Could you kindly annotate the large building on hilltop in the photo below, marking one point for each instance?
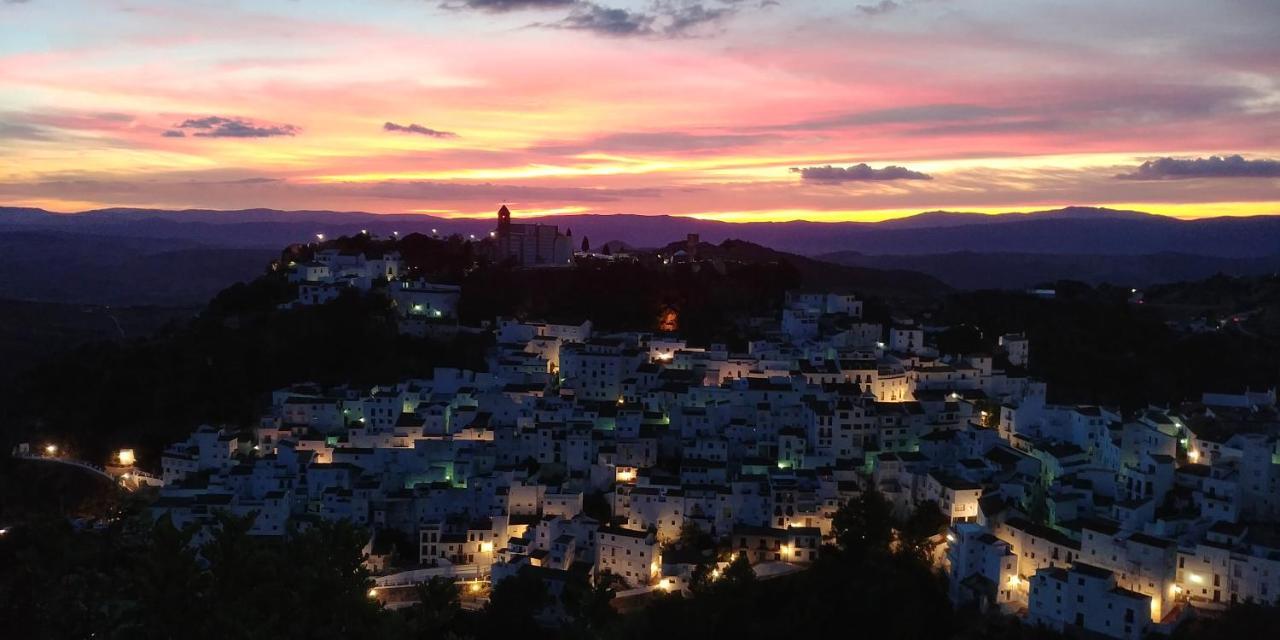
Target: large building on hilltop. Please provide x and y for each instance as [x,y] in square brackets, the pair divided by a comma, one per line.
[531,245]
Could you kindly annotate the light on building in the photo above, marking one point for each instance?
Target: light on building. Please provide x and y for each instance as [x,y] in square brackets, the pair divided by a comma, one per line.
[373,593]
[666,584]
[1193,455]
[475,587]
[486,547]
[1014,581]
[51,449]
[1196,578]
[125,457]
[951,537]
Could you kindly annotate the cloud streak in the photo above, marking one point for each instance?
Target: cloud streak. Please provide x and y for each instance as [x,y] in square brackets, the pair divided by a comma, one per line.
[1235,166]
[418,129]
[861,172]
[220,127]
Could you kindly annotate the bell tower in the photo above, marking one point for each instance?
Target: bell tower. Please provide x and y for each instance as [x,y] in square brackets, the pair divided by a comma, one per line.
[504,220]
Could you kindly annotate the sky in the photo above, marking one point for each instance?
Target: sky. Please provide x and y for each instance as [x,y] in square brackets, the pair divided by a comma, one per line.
[739,110]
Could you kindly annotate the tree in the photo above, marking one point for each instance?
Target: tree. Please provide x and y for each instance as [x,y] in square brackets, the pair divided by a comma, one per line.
[437,609]
[692,537]
[864,525]
[586,245]
[514,606]
[591,605]
[1038,506]
[916,535]
[739,573]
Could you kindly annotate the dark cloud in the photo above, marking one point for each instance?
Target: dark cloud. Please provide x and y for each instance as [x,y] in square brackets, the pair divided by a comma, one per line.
[1212,167]
[21,131]
[661,19]
[419,129]
[174,133]
[858,173]
[588,16]
[880,8]
[685,17]
[504,6]
[220,127]
[660,141]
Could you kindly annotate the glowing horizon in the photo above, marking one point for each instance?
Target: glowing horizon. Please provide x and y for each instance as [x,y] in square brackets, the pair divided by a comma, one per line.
[731,110]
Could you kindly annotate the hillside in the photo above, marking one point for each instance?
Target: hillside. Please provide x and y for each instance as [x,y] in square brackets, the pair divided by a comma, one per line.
[87,268]
[32,332]
[152,388]
[878,280]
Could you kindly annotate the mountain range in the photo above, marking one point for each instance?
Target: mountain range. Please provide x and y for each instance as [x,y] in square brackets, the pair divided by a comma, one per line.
[1071,230]
[162,257]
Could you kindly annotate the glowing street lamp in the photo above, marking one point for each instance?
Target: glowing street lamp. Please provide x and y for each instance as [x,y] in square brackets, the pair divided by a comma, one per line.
[51,449]
[320,237]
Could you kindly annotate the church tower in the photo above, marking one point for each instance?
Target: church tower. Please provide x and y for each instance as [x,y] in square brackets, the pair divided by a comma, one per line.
[504,220]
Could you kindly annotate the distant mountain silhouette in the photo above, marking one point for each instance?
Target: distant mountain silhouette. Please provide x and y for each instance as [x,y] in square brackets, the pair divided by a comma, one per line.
[1071,230]
[971,270]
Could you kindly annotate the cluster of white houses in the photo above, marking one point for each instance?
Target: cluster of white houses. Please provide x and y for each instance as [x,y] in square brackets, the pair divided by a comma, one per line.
[423,307]
[1069,515]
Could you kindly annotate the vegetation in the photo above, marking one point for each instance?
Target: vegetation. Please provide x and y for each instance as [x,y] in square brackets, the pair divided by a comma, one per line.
[1095,346]
[217,369]
[137,578]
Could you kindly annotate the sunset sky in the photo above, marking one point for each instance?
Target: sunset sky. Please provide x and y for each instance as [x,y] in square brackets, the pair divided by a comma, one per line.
[732,109]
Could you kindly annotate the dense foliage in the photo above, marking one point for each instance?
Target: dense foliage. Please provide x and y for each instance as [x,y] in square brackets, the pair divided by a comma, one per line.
[1095,346]
[132,579]
[217,369]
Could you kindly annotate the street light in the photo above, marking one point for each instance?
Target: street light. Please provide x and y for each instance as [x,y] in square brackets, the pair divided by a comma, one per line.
[320,237]
[51,449]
